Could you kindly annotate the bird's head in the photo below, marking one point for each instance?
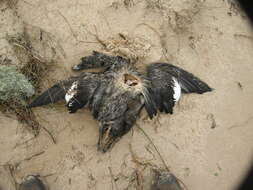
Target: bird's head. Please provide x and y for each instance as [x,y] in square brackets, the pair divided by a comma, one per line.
[110,132]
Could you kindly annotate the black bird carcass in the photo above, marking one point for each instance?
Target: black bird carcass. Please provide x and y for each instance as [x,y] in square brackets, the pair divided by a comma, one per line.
[116,95]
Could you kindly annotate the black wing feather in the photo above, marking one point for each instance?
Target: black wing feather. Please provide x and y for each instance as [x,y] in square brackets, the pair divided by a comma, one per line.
[54,94]
[87,83]
[162,89]
[188,82]
[150,105]
[162,77]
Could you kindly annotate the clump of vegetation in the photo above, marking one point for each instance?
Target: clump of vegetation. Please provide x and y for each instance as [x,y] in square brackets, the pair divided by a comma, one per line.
[37,50]
[34,70]
[20,81]
[33,65]
[14,86]
[15,89]
[34,51]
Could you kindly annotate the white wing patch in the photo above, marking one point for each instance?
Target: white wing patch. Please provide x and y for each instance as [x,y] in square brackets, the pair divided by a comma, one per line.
[30,177]
[177,90]
[71,92]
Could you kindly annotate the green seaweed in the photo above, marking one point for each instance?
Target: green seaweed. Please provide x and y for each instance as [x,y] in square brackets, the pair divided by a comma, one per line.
[14,86]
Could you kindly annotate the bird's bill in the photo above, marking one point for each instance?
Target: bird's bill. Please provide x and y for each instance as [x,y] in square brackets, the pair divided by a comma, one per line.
[85,63]
[77,67]
[106,140]
[82,65]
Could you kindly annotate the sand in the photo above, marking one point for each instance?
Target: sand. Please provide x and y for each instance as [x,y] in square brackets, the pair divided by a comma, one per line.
[207,142]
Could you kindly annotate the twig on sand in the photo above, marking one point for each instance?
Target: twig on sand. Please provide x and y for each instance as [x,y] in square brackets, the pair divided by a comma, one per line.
[25,116]
[138,161]
[139,180]
[150,27]
[22,143]
[243,36]
[11,169]
[48,175]
[100,41]
[243,124]
[150,140]
[50,134]
[34,155]
[88,42]
[70,28]
[25,45]
[112,179]
[28,3]
[163,161]
[138,176]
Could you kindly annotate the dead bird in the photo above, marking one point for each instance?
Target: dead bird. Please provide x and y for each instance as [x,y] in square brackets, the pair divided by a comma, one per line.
[116,95]
[32,182]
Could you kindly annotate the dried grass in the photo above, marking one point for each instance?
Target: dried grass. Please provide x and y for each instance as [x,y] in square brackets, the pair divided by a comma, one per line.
[32,67]
[123,45]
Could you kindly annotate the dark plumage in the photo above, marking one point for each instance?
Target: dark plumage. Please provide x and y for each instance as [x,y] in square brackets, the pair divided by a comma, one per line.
[117,95]
[164,180]
[32,182]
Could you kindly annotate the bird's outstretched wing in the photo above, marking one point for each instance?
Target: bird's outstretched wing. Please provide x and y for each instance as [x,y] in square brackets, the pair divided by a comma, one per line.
[76,91]
[188,82]
[167,81]
[54,94]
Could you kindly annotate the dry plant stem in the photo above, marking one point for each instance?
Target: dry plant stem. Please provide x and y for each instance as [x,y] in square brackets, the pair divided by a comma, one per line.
[50,134]
[150,140]
[66,20]
[139,180]
[97,37]
[164,163]
[27,117]
[35,155]
[48,175]
[29,50]
[137,160]
[112,179]
[243,36]
[10,168]
[22,143]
